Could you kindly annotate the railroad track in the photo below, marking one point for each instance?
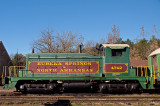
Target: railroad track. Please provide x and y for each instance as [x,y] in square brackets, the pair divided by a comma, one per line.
[17,97]
[78,99]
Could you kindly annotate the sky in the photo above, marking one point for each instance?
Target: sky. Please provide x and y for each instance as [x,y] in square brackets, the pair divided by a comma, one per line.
[22,21]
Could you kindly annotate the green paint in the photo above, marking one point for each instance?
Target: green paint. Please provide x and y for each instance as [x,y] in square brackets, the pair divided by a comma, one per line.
[106,56]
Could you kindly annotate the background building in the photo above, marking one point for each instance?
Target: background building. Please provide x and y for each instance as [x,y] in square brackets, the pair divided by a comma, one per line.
[4,60]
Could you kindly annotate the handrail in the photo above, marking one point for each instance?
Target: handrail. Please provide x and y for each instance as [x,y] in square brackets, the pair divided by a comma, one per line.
[144,72]
[154,81]
[158,71]
[141,71]
[26,71]
[13,70]
[4,73]
[152,72]
[137,70]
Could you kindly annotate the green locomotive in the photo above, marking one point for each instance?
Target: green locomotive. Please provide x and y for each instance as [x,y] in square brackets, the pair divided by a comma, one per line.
[108,72]
[154,63]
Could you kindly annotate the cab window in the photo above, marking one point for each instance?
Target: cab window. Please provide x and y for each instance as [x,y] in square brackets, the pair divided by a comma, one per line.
[118,52]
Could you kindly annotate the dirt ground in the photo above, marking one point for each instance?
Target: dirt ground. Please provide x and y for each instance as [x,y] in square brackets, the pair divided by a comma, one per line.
[38,103]
[6,90]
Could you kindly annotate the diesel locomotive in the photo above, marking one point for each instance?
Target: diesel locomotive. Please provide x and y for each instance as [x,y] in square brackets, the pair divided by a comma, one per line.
[108,72]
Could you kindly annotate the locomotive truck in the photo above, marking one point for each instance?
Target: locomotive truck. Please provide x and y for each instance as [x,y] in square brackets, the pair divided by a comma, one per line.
[108,72]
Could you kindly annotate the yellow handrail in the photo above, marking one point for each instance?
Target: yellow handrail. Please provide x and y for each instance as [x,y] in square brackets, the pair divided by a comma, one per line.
[158,71]
[154,73]
[151,72]
[144,72]
[4,73]
[141,71]
[146,75]
[137,71]
[14,70]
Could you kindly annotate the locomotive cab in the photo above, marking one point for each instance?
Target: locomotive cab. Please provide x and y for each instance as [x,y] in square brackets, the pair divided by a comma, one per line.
[116,76]
[116,59]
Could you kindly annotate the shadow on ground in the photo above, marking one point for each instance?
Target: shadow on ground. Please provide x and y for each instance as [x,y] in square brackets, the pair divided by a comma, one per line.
[60,103]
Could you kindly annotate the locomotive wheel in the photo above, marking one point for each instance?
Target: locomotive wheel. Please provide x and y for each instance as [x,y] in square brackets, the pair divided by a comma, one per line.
[25,90]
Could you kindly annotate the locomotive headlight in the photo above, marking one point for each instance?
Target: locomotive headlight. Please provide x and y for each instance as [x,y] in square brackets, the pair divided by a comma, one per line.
[59,82]
[107,81]
[22,87]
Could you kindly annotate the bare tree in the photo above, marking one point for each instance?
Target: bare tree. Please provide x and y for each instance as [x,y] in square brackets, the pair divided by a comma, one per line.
[68,41]
[57,43]
[153,43]
[154,30]
[90,48]
[142,32]
[113,36]
[46,42]
[102,41]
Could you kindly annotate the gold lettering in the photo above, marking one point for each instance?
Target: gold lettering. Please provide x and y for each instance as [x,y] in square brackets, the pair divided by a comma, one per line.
[121,67]
[89,63]
[112,68]
[65,70]
[87,70]
[66,63]
[47,63]
[51,63]
[91,70]
[54,70]
[63,67]
[61,70]
[42,70]
[38,70]
[46,70]
[38,63]
[116,68]
[77,62]
[81,63]
[55,63]
[75,70]
[70,70]
[73,63]
[79,70]
[85,63]
[42,63]
[59,63]
[83,70]
[50,70]
[70,63]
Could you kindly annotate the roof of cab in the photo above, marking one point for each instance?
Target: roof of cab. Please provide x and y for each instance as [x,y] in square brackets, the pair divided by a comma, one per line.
[115,45]
[157,51]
